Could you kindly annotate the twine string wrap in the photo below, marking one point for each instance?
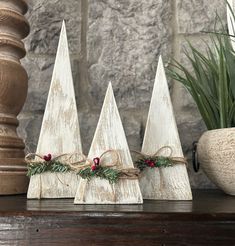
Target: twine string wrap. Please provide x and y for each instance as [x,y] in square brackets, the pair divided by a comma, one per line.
[174,160]
[30,159]
[83,162]
[34,159]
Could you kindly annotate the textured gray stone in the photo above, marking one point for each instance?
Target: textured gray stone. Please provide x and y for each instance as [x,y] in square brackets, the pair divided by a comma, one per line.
[194,16]
[29,130]
[133,127]
[45,18]
[39,70]
[88,121]
[124,40]
[184,106]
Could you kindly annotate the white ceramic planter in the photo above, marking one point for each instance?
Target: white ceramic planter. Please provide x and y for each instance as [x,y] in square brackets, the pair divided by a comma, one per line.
[216,154]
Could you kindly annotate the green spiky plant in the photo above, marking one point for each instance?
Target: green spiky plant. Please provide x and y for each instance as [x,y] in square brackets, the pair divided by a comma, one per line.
[211,82]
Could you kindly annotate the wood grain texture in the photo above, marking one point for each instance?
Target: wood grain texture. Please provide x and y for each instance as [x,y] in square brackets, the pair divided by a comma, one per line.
[109,135]
[13,92]
[60,132]
[170,183]
[207,220]
[18,6]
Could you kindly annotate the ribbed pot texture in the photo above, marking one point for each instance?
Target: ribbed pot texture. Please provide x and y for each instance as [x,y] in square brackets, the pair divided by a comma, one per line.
[216,155]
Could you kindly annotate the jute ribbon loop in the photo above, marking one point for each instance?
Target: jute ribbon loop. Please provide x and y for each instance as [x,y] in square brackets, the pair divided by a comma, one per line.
[84,162]
[125,173]
[65,158]
[175,160]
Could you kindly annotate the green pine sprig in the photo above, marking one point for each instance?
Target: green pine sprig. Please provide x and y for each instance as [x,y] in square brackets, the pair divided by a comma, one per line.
[110,174]
[50,166]
[153,162]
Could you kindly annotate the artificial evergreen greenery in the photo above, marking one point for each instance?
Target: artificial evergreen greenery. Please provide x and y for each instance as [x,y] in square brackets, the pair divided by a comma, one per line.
[49,166]
[155,161]
[110,174]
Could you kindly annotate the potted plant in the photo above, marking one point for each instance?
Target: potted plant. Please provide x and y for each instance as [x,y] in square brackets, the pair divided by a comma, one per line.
[211,82]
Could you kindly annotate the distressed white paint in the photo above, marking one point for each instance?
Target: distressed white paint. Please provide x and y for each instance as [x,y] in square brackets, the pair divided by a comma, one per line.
[170,183]
[230,21]
[109,135]
[60,128]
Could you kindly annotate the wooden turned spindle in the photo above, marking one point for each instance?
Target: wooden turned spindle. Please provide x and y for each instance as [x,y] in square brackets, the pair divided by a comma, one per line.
[13,92]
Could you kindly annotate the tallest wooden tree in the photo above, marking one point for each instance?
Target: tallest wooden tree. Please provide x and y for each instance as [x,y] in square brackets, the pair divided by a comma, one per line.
[13,90]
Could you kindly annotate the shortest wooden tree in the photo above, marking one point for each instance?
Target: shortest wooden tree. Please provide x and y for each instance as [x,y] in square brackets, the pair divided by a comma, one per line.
[109,135]
[60,132]
[169,183]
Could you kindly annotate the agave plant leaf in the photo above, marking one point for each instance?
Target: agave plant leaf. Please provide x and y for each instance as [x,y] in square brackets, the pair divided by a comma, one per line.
[194,88]
[211,81]
[223,90]
[230,58]
[231,115]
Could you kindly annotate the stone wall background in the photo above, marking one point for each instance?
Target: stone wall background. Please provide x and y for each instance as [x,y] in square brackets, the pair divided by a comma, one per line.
[118,41]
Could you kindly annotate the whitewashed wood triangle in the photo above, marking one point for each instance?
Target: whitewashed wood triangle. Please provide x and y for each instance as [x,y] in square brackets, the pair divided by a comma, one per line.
[230,21]
[109,135]
[169,183]
[60,128]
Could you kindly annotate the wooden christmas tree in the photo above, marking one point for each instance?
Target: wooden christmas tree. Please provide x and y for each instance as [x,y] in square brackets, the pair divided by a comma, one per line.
[172,182]
[60,129]
[109,135]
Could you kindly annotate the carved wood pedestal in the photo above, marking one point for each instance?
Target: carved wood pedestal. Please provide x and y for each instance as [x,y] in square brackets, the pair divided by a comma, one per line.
[13,92]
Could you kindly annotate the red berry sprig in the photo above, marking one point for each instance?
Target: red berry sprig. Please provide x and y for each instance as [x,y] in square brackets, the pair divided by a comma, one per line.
[150,163]
[47,157]
[96,163]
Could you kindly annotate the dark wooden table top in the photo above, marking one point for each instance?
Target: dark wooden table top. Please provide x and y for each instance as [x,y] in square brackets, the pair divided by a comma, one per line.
[207,220]
[204,202]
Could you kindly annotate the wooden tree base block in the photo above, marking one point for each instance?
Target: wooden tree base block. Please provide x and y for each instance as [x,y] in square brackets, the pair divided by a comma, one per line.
[169,183]
[13,92]
[99,191]
[160,184]
[53,185]
[109,135]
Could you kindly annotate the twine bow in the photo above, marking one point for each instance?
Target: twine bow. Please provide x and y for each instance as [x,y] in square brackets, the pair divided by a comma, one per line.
[174,160]
[125,173]
[46,159]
